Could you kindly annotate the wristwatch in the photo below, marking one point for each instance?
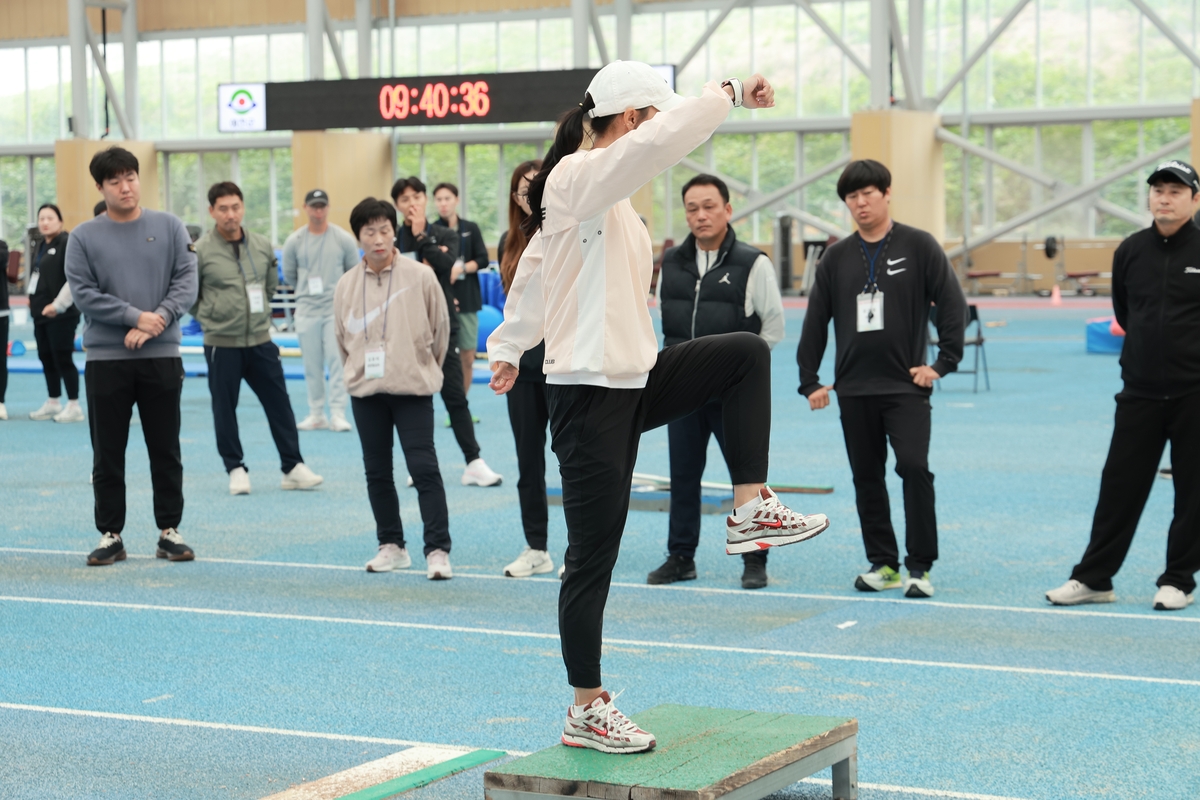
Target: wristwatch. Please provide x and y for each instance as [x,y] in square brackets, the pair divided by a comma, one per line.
[736,85]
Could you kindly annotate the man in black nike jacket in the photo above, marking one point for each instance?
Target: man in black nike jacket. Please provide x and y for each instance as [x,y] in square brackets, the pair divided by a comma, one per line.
[877,286]
[1156,298]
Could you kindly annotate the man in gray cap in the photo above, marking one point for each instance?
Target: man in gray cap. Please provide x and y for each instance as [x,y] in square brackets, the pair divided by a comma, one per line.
[314,258]
[1156,297]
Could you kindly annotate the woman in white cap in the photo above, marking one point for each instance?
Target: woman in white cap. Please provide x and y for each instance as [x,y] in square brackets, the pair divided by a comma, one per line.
[582,285]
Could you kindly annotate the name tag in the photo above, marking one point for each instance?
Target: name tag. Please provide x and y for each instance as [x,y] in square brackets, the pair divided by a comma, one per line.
[870,312]
[52,251]
[373,369]
[33,282]
[316,285]
[254,291]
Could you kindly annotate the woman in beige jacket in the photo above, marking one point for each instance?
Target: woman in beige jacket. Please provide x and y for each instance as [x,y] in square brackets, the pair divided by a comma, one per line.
[582,285]
[393,329]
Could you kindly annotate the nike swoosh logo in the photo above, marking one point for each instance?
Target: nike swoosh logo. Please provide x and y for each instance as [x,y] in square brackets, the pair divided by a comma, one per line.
[356,325]
[896,271]
[776,524]
[896,261]
[598,731]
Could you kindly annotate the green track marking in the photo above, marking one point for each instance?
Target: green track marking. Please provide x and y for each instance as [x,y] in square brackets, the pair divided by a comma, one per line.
[424,777]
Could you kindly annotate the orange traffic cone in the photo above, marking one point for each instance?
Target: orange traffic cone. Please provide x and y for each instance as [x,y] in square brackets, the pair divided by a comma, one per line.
[1056,296]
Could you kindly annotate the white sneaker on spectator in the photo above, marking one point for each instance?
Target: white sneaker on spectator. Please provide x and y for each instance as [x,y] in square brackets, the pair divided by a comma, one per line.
[410,482]
[3,412]
[437,566]
[1074,593]
[478,473]
[239,481]
[530,562]
[1171,598]
[390,556]
[48,410]
[313,422]
[301,477]
[71,413]
[338,423]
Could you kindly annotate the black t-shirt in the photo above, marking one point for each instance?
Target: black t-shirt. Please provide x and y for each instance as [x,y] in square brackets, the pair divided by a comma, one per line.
[428,249]
[48,259]
[471,247]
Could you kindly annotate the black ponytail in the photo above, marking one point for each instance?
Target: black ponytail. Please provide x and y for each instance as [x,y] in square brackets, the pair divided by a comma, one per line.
[568,138]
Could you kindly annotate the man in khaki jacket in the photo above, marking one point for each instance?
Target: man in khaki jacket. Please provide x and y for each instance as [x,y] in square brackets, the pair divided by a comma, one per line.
[393,331]
[238,276]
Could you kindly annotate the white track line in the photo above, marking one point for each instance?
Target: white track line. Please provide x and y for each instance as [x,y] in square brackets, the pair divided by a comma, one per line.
[707,648]
[858,598]
[457,750]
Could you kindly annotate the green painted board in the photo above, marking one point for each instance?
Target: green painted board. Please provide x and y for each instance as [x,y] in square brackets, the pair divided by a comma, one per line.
[697,748]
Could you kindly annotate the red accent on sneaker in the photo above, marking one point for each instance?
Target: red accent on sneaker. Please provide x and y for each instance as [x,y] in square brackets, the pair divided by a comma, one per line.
[774,524]
[762,545]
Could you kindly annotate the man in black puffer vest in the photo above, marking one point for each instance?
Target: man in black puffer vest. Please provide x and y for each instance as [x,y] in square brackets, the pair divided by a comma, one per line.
[710,284]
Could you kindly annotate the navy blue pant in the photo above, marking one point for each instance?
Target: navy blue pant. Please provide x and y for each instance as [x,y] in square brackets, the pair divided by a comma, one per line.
[260,367]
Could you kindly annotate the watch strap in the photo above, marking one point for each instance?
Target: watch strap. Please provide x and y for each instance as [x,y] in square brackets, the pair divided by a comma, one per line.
[736,85]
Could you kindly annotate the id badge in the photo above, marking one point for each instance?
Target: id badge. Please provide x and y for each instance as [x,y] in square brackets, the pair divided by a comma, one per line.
[374,364]
[316,285]
[33,282]
[460,265]
[870,311]
[254,291]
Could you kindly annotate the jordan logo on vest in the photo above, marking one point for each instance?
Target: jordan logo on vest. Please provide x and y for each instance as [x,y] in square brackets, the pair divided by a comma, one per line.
[725,279]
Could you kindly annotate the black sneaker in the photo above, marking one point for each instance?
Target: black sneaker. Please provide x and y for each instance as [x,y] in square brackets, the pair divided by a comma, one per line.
[754,573]
[172,547]
[111,549]
[675,568]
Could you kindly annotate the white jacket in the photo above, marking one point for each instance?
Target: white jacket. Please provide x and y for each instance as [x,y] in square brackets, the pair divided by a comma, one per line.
[583,281]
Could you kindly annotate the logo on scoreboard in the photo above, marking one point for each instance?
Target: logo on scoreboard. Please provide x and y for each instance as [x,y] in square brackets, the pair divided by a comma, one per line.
[241,107]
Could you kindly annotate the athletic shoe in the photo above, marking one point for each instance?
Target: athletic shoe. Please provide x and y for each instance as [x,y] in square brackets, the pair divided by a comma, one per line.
[675,568]
[600,726]
[437,566]
[301,477]
[530,562]
[479,473]
[172,547]
[71,413]
[339,424]
[877,579]
[3,412]
[770,524]
[1074,593]
[313,422]
[917,584]
[754,571]
[1166,473]
[47,411]
[390,556]
[1171,598]
[239,481]
[562,570]
[111,549]
[449,424]
[409,483]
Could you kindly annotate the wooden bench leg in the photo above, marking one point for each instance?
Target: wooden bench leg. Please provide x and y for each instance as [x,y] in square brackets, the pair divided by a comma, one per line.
[845,779]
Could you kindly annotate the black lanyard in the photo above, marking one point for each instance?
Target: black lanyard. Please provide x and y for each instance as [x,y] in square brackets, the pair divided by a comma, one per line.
[245,245]
[387,302]
[870,260]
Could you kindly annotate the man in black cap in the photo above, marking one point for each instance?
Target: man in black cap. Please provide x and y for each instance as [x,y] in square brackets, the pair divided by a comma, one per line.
[1156,298]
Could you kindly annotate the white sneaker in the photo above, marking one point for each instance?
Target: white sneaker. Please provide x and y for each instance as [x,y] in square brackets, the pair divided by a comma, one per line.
[437,566]
[530,562]
[562,571]
[338,423]
[918,584]
[479,473]
[313,422]
[1074,593]
[72,413]
[410,482]
[770,524]
[1171,598]
[239,481]
[301,477]
[390,557]
[48,410]
[600,726]
[3,412]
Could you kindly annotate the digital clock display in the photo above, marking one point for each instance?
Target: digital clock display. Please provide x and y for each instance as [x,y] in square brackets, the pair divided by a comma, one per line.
[427,100]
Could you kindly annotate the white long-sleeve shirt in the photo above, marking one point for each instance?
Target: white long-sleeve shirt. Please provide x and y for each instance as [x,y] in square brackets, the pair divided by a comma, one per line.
[581,284]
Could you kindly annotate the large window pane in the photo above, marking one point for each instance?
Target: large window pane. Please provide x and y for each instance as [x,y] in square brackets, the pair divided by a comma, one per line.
[478,47]
[45,188]
[516,54]
[287,57]
[12,95]
[14,200]
[254,175]
[184,201]
[150,120]
[43,93]
[179,56]
[214,69]
[250,59]
[555,44]
[439,54]
[483,190]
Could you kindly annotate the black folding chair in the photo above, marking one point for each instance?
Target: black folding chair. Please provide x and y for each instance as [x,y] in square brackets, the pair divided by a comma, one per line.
[969,340]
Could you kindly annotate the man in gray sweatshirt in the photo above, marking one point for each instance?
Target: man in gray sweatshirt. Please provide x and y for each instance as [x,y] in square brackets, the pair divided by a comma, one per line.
[132,273]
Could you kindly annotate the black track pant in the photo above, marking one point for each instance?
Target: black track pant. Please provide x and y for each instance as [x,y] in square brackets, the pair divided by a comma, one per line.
[56,342]
[113,388]
[260,367]
[688,442]
[3,356]
[411,416]
[455,398]
[595,433]
[1141,430]
[867,424]
[529,416]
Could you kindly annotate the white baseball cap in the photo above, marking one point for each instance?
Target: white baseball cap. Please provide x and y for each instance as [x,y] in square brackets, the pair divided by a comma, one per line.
[630,84]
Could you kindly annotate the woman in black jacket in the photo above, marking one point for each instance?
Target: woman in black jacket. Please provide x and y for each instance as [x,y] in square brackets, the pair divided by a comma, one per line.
[55,317]
[527,410]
